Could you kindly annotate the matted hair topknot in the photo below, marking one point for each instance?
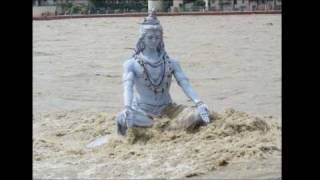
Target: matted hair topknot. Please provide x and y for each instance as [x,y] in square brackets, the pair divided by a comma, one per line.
[151,19]
[150,22]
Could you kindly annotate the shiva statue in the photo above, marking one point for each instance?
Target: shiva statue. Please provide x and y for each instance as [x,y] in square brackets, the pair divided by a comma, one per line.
[146,79]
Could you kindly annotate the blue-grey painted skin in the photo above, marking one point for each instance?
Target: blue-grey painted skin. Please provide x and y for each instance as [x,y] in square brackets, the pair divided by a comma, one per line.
[147,77]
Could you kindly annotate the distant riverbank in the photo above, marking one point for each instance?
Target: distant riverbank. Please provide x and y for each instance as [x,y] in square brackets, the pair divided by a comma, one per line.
[159,14]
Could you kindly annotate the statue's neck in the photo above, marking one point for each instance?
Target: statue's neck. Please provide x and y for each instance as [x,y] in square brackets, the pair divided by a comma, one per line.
[151,54]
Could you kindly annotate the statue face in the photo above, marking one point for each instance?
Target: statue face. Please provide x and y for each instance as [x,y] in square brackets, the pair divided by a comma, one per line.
[152,39]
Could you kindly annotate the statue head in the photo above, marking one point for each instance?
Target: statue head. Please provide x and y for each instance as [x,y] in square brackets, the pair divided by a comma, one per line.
[151,34]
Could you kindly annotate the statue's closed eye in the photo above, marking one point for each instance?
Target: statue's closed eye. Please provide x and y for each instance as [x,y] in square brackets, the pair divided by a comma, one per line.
[153,37]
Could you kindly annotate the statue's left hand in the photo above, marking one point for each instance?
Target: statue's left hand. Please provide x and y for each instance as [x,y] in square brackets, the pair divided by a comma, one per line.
[203,112]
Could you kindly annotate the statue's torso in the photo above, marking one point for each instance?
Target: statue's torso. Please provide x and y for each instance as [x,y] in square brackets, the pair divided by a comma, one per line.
[153,96]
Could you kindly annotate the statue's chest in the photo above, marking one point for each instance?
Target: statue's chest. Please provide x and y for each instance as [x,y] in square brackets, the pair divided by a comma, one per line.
[155,77]
[155,72]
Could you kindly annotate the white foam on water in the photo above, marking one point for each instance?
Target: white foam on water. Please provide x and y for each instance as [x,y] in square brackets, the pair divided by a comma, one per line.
[98,142]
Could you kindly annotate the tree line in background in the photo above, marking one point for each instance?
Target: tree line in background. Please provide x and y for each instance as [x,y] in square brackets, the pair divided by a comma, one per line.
[95,6]
[109,6]
[138,5]
[119,6]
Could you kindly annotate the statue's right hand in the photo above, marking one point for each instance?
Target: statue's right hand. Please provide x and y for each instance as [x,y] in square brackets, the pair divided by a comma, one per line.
[127,109]
[121,119]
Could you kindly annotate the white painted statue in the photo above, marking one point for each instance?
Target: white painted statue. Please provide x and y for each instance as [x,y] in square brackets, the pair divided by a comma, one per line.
[147,78]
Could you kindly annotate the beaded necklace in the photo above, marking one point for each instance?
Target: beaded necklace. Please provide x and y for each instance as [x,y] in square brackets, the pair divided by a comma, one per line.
[153,85]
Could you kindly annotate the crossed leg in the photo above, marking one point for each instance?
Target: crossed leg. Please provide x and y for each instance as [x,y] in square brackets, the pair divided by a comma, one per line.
[181,118]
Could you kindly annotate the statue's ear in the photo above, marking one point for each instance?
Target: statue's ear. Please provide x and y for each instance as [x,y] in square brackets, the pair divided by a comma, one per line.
[141,45]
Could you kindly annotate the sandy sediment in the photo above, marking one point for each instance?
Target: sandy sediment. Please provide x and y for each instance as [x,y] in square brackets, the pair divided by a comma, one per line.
[61,149]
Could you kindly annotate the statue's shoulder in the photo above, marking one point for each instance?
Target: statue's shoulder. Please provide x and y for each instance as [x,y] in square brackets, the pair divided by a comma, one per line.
[129,63]
[174,62]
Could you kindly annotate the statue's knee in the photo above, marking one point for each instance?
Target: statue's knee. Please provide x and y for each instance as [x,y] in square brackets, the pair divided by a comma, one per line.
[196,116]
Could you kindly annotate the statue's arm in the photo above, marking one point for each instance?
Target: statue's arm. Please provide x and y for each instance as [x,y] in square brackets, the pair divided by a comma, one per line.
[128,82]
[183,82]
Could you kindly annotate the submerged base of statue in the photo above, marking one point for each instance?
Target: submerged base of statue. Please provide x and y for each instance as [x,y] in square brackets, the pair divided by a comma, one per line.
[172,117]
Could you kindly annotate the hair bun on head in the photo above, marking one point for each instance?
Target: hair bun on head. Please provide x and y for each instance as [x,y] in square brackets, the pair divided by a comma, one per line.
[150,22]
[151,19]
